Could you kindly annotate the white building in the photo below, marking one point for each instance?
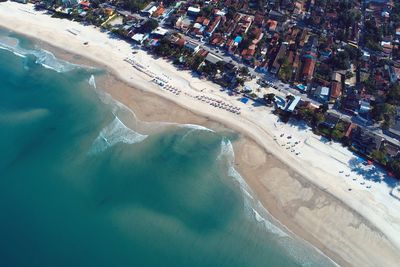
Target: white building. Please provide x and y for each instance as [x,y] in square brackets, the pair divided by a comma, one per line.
[193,10]
[149,9]
[213,58]
[293,103]
[160,31]
[139,38]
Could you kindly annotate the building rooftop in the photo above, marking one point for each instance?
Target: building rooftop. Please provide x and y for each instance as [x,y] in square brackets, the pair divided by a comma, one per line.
[213,58]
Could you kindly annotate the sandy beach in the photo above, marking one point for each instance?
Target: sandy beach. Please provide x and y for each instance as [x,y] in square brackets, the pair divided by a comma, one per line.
[303,181]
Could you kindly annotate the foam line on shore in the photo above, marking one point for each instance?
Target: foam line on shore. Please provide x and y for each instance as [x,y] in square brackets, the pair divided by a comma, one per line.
[227,154]
[106,98]
[92,81]
[254,209]
[375,209]
[196,127]
[42,57]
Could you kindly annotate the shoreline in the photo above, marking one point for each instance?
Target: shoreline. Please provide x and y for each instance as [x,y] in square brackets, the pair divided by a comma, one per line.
[284,191]
[121,90]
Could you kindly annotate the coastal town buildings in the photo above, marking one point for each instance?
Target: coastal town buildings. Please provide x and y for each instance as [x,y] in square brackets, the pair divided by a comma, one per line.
[343,56]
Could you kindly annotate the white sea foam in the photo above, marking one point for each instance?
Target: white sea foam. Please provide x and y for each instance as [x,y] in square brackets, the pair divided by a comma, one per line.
[48,60]
[151,127]
[107,99]
[227,153]
[301,251]
[43,57]
[252,207]
[263,216]
[226,150]
[8,48]
[192,129]
[187,134]
[92,81]
[154,126]
[115,132]
[195,127]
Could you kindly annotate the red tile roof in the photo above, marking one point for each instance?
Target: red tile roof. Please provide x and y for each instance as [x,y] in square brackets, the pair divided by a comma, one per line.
[309,65]
[159,11]
[271,24]
[336,90]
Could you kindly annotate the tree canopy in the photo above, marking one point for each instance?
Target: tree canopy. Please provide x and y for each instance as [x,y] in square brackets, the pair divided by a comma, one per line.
[149,25]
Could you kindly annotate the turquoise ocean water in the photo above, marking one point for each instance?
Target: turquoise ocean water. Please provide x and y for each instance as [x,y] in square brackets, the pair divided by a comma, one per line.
[78,187]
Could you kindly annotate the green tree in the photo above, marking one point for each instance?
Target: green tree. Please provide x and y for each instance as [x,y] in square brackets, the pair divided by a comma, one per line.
[389,114]
[245,43]
[340,60]
[285,72]
[240,81]
[244,71]
[206,11]
[337,135]
[208,68]
[395,167]
[372,35]
[393,96]
[379,156]
[163,48]
[339,131]
[289,98]
[149,25]
[323,108]
[194,61]
[318,117]
[306,114]
[269,97]
[220,65]
[135,5]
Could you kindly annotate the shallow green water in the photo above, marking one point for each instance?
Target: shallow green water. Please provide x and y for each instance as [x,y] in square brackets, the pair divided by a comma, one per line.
[79,188]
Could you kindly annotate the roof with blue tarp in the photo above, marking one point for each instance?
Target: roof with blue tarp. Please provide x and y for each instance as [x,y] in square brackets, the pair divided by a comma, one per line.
[238,39]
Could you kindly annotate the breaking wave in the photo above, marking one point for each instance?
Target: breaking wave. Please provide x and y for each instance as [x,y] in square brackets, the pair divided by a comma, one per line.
[42,57]
[49,61]
[116,107]
[252,206]
[195,127]
[115,132]
[150,127]
[192,129]
[254,209]
[92,81]
[118,132]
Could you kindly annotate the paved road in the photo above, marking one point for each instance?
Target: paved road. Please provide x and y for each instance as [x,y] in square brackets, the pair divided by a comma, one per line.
[282,88]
